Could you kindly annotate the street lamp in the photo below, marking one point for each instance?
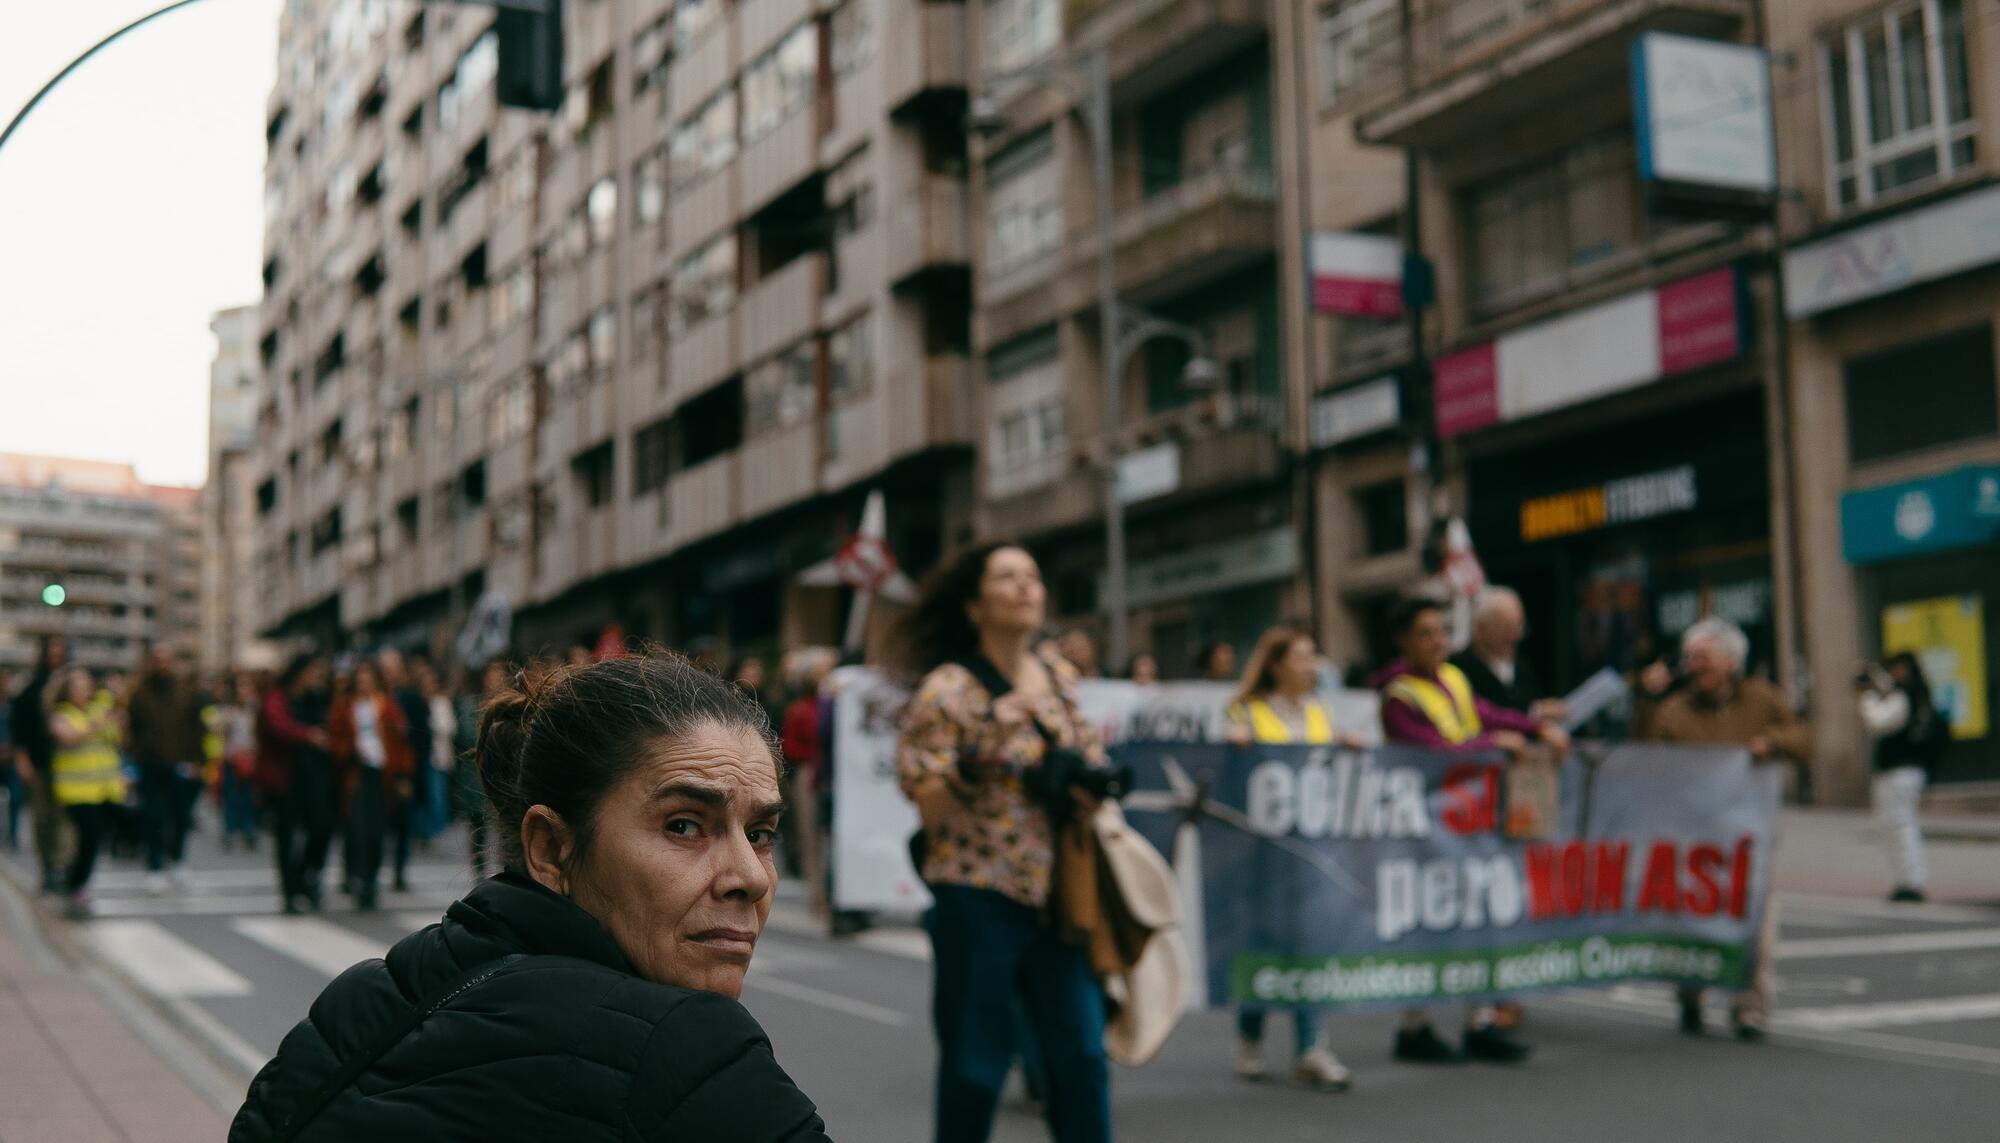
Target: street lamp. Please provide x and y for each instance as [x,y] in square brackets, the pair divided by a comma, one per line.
[1119,338]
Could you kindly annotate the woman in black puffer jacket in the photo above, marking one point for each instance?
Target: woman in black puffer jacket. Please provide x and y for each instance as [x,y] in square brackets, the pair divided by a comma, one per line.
[588,992]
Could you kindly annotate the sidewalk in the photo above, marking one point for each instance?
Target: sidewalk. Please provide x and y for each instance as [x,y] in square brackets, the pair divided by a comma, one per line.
[81,1062]
[1838,852]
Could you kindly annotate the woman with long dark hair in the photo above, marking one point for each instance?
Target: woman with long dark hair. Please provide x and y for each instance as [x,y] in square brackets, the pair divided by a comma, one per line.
[1910,736]
[371,740]
[988,712]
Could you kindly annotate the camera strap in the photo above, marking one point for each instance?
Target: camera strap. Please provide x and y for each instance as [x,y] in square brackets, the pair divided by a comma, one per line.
[997,684]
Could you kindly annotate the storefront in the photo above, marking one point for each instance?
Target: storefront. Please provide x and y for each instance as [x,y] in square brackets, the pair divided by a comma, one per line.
[1620,539]
[1926,555]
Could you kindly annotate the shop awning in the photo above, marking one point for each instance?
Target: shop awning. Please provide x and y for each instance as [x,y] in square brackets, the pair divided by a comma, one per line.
[1951,510]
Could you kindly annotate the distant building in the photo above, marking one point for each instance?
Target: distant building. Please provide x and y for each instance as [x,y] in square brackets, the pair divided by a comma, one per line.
[228,547]
[125,556]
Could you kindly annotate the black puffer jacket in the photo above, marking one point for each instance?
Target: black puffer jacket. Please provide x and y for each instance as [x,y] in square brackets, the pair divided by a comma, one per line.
[566,1043]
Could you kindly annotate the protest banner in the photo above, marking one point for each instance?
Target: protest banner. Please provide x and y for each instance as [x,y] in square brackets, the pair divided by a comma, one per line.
[1386,877]
[872,820]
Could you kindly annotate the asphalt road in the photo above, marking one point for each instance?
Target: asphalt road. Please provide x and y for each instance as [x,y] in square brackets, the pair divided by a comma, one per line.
[1888,1027]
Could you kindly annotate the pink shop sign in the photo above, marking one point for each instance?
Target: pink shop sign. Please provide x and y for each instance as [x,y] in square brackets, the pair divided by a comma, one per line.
[1701,321]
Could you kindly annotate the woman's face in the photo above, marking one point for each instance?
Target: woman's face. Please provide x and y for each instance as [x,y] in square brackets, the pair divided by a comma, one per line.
[1222,662]
[1011,595]
[1145,670]
[680,868]
[1900,671]
[1297,670]
[366,682]
[78,689]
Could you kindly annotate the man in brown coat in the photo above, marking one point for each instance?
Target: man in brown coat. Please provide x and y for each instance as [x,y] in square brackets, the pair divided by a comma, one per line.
[1717,706]
[165,731]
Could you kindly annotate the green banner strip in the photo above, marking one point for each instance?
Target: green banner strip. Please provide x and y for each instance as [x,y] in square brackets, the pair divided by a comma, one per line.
[1261,978]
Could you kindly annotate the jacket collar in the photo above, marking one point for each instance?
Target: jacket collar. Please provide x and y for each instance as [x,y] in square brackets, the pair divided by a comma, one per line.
[519,912]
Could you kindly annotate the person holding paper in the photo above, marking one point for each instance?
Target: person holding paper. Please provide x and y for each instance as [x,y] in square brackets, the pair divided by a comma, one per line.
[1428,702]
[1492,662]
[1275,705]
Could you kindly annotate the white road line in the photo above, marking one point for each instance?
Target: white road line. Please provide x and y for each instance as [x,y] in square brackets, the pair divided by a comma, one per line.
[311,941]
[832,1001]
[252,904]
[1892,1013]
[1883,910]
[1878,944]
[160,962]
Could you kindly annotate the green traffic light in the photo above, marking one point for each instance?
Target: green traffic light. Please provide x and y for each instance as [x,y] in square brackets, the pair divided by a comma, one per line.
[53,595]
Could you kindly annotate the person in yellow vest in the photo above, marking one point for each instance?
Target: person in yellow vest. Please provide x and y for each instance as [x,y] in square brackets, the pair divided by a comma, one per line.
[84,722]
[1275,705]
[1428,702]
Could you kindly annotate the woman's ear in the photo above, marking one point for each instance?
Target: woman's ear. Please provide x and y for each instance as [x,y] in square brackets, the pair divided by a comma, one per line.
[546,846]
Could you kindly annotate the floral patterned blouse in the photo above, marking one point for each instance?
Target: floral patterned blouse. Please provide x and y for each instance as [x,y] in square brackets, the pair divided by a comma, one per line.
[999,839]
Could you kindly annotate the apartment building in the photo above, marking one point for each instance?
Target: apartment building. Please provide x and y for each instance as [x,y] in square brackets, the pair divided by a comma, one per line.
[638,362]
[228,551]
[91,554]
[1892,282]
[1195,230]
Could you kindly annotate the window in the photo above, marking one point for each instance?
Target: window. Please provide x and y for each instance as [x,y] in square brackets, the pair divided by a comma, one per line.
[1027,442]
[648,308]
[568,369]
[410,520]
[1019,32]
[1023,203]
[651,51]
[1359,45]
[851,360]
[649,457]
[475,71]
[705,141]
[712,423]
[1921,395]
[515,184]
[649,188]
[595,474]
[512,411]
[1539,227]
[329,443]
[1385,517]
[267,496]
[601,335]
[1898,101]
[512,297]
[780,82]
[585,105]
[463,181]
[694,20]
[601,209]
[853,36]
[782,392]
[703,285]
[326,531]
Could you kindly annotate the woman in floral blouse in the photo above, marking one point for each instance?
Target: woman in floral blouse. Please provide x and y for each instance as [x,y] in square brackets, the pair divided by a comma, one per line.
[989,847]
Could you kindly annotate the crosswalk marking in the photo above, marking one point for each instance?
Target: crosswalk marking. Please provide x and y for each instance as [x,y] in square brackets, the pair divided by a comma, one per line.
[1877,944]
[311,941]
[1893,1013]
[210,905]
[162,963]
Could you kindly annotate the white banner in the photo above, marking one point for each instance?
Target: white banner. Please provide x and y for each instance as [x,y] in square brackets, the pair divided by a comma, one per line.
[872,821]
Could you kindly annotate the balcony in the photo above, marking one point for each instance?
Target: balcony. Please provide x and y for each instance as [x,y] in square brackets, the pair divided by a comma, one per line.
[923,51]
[702,356]
[927,227]
[781,309]
[782,158]
[1154,46]
[703,499]
[777,469]
[1198,230]
[940,412]
[1480,64]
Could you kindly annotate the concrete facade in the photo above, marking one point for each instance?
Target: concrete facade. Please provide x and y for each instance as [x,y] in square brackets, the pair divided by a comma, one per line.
[127,556]
[228,511]
[638,362]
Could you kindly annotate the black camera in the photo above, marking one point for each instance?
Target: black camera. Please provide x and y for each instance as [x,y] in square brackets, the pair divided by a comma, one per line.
[1063,770]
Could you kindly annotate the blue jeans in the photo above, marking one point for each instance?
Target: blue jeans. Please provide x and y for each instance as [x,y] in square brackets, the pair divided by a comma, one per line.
[988,949]
[239,805]
[1305,1023]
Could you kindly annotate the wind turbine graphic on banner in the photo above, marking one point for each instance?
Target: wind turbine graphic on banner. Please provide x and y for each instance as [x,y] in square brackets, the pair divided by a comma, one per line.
[865,564]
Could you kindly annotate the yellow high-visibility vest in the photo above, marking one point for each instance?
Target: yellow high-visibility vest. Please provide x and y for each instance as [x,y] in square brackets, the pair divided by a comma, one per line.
[87,773]
[1268,728]
[1450,707]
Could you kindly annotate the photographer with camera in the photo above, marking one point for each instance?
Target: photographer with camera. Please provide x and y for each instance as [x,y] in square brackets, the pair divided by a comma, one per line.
[996,754]
[1275,705]
[1910,736]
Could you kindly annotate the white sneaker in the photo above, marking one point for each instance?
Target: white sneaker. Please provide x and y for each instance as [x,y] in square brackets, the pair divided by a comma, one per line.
[180,879]
[1250,1060]
[156,884]
[1318,1069]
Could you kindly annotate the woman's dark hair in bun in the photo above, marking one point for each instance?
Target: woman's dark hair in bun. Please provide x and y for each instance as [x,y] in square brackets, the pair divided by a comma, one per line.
[570,738]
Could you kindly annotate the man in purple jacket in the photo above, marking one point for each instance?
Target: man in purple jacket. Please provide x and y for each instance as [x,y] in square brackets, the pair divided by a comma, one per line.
[1428,702]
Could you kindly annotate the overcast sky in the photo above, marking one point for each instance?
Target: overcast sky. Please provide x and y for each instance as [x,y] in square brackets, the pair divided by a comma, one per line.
[131,207]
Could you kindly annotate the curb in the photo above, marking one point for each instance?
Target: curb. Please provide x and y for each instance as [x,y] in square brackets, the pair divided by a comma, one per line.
[215,1069]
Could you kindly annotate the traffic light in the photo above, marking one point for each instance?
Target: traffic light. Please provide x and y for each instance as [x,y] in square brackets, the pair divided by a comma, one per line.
[531,54]
[54,595]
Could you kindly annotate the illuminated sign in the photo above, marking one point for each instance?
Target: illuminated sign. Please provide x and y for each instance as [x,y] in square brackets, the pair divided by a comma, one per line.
[1622,501]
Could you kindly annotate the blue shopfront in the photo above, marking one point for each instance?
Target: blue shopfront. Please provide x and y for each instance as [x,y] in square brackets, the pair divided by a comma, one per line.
[1926,554]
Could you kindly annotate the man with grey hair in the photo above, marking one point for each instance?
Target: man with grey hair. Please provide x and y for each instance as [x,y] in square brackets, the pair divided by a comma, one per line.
[1715,705]
[1492,662]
